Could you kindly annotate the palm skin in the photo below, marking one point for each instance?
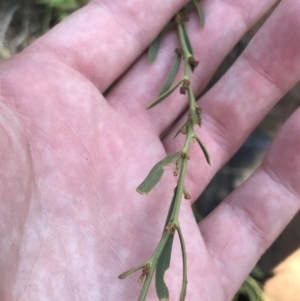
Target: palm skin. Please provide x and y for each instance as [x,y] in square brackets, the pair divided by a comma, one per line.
[71,160]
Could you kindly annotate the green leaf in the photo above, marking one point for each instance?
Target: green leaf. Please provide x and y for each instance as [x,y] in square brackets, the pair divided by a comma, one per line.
[198,216]
[253,290]
[164,261]
[153,49]
[205,152]
[156,173]
[162,265]
[171,76]
[184,265]
[154,46]
[171,208]
[187,40]
[178,132]
[124,275]
[200,12]
[189,7]
[165,95]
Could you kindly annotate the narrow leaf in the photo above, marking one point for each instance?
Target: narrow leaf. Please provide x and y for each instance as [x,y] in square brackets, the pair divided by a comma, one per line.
[156,173]
[164,260]
[187,41]
[165,95]
[171,76]
[171,208]
[153,49]
[162,265]
[188,8]
[184,265]
[178,132]
[154,46]
[200,12]
[205,152]
[124,275]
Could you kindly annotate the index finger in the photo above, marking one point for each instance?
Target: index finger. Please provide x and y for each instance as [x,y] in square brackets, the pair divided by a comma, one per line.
[104,38]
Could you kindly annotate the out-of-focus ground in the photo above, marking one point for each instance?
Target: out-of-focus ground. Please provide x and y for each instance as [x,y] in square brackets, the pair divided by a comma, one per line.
[22,21]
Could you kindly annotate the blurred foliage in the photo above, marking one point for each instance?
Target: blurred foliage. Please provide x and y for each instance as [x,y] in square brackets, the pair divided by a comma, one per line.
[251,290]
[57,10]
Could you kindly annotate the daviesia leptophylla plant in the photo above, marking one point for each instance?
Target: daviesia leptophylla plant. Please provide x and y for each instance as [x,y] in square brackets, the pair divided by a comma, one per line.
[159,262]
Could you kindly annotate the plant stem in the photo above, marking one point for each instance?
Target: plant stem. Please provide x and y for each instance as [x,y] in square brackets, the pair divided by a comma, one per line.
[153,262]
[172,222]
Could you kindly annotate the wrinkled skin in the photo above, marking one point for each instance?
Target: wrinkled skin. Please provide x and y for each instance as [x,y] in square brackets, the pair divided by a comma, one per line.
[70,218]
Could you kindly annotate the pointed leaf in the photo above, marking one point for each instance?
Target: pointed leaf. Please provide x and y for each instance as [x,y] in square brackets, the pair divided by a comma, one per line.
[164,260]
[200,12]
[189,7]
[156,173]
[171,76]
[187,41]
[165,95]
[162,265]
[178,132]
[184,265]
[153,49]
[171,208]
[154,46]
[205,152]
[124,275]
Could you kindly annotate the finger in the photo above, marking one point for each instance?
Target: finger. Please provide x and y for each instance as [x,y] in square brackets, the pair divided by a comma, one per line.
[225,24]
[267,69]
[103,39]
[239,230]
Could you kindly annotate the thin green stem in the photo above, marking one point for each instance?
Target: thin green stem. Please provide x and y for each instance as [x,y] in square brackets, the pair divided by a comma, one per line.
[186,53]
[172,223]
[182,174]
[153,263]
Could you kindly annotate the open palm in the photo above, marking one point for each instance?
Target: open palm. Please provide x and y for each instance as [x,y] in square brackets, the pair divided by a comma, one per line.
[71,160]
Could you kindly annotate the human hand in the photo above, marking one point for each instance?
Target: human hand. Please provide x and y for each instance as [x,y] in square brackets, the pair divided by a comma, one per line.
[71,160]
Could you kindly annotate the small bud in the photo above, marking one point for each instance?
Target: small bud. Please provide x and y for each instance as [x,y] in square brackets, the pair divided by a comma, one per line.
[145,273]
[193,63]
[187,196]
[199,121]
[182,90]
[183,130]
[198,110]
[184,87]
[170,228]
[185,18]
[186,82]
[176,171]
[179,18]
[185,155]
[179,51]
